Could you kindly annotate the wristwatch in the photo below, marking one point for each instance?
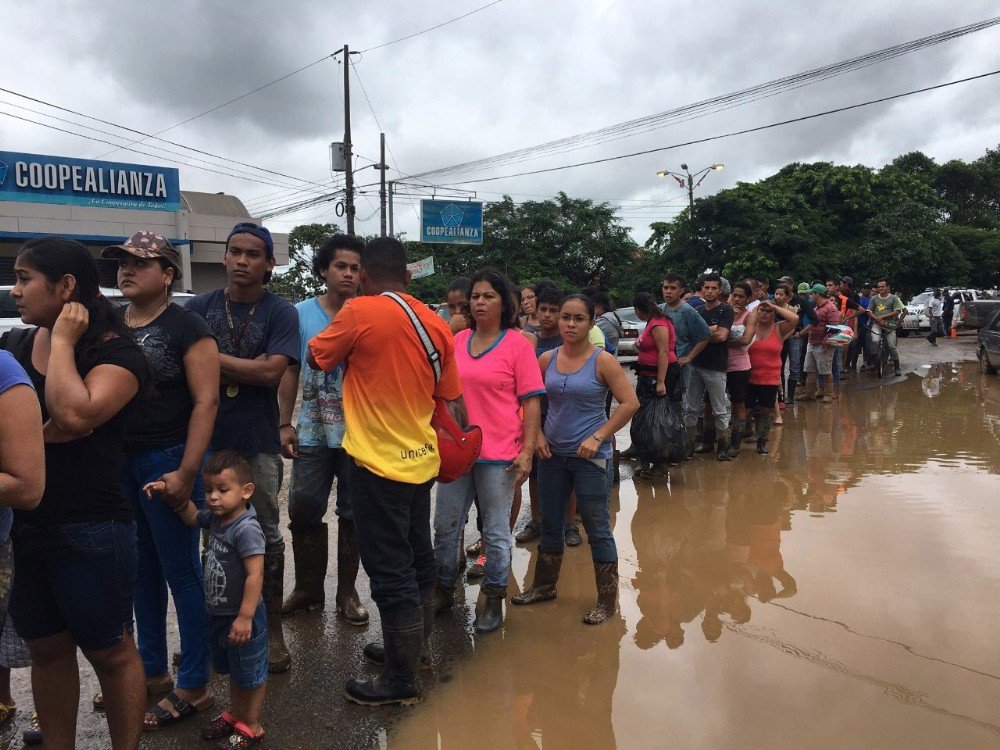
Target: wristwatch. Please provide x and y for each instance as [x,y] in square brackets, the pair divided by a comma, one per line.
[597,437]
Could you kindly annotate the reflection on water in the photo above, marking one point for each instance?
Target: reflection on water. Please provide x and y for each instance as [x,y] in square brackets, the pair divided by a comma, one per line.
[751,615]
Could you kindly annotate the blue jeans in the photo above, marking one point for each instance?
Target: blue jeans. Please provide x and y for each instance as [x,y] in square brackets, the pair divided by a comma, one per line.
[76,578]
[313,473]
[495,487]
[392,521]
[715,383]
[168,558]
[558,477]
[795,358]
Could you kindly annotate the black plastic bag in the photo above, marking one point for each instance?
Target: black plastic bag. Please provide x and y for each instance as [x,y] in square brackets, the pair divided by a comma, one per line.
[658,432]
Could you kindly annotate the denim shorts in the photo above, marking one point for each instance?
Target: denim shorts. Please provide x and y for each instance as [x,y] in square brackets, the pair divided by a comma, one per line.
[75,577]
[245,664]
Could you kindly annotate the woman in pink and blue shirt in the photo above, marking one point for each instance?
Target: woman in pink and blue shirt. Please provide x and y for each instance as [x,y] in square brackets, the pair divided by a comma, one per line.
[502,387]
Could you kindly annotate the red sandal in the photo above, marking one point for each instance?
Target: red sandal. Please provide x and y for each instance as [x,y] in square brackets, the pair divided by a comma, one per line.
[242,737]
[220,727]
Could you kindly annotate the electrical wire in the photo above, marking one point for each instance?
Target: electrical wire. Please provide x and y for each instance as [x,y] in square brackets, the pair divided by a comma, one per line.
[712,105]
[732,134]
[432,28]
[231,101]
[136,151]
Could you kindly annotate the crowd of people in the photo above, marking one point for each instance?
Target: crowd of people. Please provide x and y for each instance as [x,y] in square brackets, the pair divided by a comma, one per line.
[163,429]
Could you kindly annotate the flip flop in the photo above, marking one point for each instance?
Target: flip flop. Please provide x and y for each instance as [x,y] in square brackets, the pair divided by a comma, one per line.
[162,717]
[241,738]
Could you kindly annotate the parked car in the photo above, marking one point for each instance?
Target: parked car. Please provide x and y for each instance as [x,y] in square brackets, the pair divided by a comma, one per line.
[627,344]
[916,319]
[11,318]
[978,313]
[989,345]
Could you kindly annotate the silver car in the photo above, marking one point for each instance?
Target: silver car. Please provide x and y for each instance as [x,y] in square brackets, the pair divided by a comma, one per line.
[627,344]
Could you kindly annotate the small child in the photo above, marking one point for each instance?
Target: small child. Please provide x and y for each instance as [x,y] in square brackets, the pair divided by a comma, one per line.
[234,575]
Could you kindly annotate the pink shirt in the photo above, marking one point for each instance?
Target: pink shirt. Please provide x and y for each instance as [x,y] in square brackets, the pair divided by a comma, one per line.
[649,354]
[493,385]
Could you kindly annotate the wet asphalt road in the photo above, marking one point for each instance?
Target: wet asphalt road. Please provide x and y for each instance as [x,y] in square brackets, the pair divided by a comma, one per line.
[481,700]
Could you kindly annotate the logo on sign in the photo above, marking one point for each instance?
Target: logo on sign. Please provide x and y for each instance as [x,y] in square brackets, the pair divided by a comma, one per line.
[3,172]
[452,215]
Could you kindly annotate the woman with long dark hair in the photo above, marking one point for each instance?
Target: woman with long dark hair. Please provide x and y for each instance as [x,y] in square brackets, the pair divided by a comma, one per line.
[575,455]
[502,387]
[738,363]
[167,441]
[75,554]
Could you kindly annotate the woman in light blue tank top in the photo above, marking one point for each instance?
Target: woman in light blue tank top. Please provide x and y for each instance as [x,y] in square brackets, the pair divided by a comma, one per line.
[574,453]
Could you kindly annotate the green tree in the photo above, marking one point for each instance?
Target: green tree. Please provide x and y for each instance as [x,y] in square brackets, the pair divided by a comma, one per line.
[299,282]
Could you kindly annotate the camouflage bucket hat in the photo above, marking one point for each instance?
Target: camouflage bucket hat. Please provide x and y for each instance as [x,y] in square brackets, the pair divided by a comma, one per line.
[145,245]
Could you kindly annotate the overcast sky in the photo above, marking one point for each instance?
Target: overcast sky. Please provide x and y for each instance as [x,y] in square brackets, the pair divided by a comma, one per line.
[513,75]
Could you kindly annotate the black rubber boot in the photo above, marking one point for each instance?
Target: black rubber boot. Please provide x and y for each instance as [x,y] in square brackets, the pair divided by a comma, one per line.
[491,617]
[606,575]
[722,450]
[691,433]
[543,585]
[763,432]
[375,652]
[442,598]
[310,549]
[702,444]
[348,561]
[399,682]
[790,392]
[746,434]
[735,434]
[278,658]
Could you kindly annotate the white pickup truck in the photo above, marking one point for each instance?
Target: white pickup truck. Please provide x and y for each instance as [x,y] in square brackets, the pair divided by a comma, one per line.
[916,319]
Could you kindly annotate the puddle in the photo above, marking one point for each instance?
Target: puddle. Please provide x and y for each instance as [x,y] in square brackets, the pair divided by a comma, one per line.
[838,592]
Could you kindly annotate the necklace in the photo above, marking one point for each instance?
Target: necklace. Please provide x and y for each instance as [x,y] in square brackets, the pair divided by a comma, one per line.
[146,321]
[233,389]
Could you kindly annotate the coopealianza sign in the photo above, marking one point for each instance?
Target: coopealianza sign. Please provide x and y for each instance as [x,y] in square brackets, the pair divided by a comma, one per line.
[37,178]
[451,222]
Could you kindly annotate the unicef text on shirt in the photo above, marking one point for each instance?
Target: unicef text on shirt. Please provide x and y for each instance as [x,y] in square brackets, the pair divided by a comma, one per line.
[452,232]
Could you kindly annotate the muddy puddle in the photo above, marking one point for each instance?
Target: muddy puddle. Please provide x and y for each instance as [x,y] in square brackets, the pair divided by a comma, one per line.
[839,592]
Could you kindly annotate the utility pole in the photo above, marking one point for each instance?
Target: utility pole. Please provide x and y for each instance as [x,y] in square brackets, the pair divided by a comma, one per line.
[381,191]
[348,156]
[392,231]
[687,180]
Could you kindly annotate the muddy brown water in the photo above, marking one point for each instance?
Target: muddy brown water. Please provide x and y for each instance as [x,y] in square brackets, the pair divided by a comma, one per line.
[839,592]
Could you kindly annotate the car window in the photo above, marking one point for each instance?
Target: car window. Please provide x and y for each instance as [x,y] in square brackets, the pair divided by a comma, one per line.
[8,307]
[921,299]
[627,314]
[996,324]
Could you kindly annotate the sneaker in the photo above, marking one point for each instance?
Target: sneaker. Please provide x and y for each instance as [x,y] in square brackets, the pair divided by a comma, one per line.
[573,538]
[478,570]
[531,531]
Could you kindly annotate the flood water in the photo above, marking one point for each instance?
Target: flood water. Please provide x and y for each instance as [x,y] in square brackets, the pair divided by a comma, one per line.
[839,592]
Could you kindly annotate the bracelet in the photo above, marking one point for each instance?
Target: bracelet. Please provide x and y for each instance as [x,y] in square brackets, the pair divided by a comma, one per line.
[597,437]
[286,424]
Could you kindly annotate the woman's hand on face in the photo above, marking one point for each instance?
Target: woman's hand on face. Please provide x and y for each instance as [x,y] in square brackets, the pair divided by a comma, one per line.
[71,323]
[542,449]
[588,448]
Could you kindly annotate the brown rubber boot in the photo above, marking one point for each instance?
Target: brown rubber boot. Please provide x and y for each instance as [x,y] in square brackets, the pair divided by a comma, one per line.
[543,585]
[278,658]
[311,552]
[828,390]
[348,560]
[809,389]
[606,575]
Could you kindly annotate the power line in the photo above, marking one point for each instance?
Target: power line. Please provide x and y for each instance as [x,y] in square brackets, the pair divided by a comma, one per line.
[236,172]
[730,135]
[432,28]
[712,105]
[136,151]
[231,101]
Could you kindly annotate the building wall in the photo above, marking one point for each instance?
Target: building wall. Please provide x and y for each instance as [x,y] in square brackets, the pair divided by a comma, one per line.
[201,238]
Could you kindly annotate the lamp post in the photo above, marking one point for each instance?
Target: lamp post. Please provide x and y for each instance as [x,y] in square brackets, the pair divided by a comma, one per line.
[687,180]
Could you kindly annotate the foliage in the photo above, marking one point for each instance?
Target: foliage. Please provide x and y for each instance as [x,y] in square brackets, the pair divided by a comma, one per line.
[299,282]
[914,222]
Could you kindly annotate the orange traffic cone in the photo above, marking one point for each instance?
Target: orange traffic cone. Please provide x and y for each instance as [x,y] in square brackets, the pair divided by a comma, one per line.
[954,333]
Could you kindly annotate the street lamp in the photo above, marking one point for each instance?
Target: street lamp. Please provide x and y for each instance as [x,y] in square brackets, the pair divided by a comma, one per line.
[687,180]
